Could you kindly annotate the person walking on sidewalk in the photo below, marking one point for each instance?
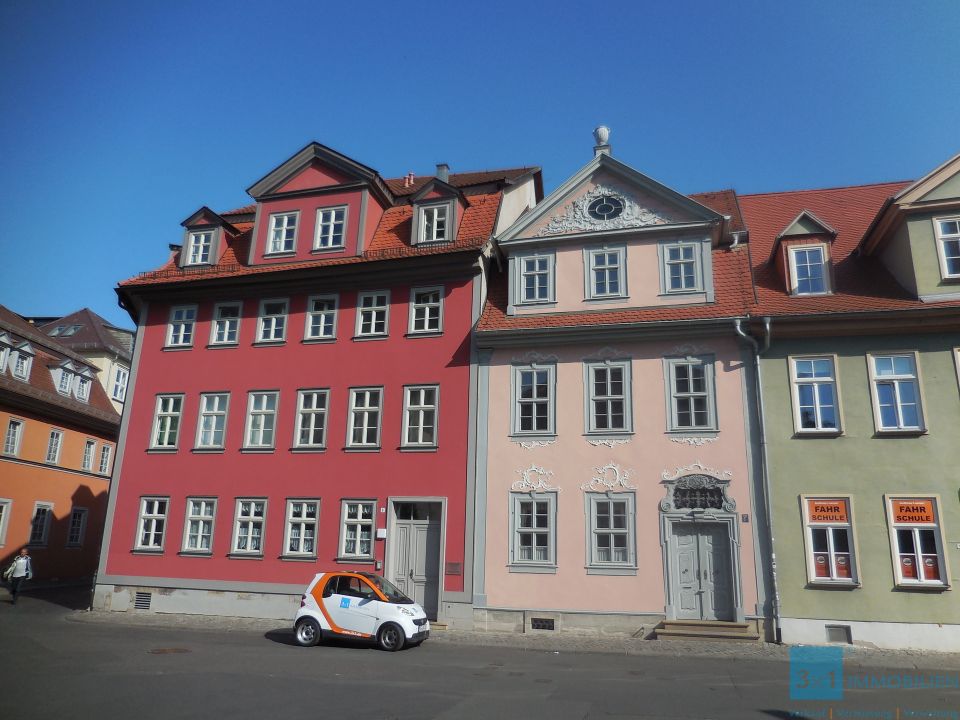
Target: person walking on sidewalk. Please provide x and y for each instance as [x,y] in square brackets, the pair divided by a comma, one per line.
[20,570]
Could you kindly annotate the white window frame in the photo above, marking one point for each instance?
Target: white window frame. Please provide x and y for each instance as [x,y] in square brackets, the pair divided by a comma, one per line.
[830,525]
[517,563]
[327,317]
[64,381]
[121,376]
[182,326]
[415,307]
[4,357]
[792,252]
[520,274]
[665,249]
[936,527]
[302,523]
[163,418]
[942,241]
[225,326]
[306,417]
[590,419]
[435,210]
[152,520]
[363,312]
[550,400]
[270,322]
[896,380]
[33,540]
[14,433]
[357,411]
[796,382]
[673,396]
[590,266]
[357,522]
[249,518]
[22,364]
[89,449]
[218,414]
[83,388]
[6,505]
[106,454]
[413,415]
[324,234]
[275,225]
[203,512]
[54,447]
[253,412]
[199,247]
[596,566]
[81,531]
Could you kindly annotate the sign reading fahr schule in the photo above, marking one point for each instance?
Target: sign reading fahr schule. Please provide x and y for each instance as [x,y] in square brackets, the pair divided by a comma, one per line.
[830,510]
[913,510]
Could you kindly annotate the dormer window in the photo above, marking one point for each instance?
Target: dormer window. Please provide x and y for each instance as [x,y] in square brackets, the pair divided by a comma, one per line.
[330,225]
[283,233]
[808,270]
[66,381]
[22,361]
[198,247]
[948,234]
[433,224]
[83,389]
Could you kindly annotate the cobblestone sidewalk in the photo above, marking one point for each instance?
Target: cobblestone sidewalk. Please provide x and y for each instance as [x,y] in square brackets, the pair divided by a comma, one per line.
[559,643]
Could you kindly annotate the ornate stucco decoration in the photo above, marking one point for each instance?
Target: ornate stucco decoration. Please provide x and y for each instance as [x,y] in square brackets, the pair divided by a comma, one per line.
[609,478]
[609,442]
[531,444]
[690,349]
[575,217]
[697,488]
[540,484]
[535,357]
[606,353]
[697,441]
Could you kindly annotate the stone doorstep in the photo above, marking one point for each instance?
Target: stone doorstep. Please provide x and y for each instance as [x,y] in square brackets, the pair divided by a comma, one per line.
[693,627]
[718,636]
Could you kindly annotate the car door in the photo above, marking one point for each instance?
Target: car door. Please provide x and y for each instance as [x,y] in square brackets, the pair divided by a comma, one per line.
[351,605]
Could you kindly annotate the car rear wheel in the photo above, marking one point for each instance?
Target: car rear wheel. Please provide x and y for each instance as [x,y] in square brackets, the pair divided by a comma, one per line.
[307,632]
[390,637]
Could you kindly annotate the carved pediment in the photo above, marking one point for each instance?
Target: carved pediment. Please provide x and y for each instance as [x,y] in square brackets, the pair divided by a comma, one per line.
[576,216]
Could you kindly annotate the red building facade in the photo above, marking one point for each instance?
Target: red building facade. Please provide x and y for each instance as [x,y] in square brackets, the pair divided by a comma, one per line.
[302,393]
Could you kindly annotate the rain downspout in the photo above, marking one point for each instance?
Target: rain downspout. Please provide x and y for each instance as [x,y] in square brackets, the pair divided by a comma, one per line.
[764,464]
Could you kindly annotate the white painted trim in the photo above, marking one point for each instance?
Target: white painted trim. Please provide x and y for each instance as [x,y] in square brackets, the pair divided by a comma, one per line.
[875,398]
[938,532]
[825,263]
[795,395]
[812,579]
[309,312]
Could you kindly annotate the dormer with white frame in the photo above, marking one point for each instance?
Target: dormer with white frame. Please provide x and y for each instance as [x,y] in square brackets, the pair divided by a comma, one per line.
[608,238]
[72,379]
[204,238]
[21,361]
[801,254]
[437,210]
[917,235]
[6,347]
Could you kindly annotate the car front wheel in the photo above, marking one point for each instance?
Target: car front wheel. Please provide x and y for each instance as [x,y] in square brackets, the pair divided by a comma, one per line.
[307,632]
[390,637]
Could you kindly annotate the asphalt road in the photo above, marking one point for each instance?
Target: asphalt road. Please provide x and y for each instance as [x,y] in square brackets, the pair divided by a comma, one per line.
[54,667]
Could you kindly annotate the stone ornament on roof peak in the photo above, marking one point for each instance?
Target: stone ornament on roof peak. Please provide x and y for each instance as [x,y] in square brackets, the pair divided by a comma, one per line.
[576,216]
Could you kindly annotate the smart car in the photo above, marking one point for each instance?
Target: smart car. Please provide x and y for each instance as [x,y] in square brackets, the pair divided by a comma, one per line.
[359,605]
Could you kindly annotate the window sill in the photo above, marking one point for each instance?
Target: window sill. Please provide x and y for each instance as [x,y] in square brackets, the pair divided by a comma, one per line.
[245,556]
[682,293]
[418,448]
[603,299]
[147,551]
[928,587]
[800,434]
[366,338]
[318,340]
[328,250]
[162,450]
[222,346]
[693,432]
[258,451]
[424,334]
[832,585]
[73,547]
[209,451]
[187,266]
[535,569]
[601,570]
[354,561]
[794,293]
[544,437]
[298,558]
[907,432]
[535,303]
[308,450]
[176,348]
[371,449]
[280,254]
[608,434]
[269,343]
[196,553]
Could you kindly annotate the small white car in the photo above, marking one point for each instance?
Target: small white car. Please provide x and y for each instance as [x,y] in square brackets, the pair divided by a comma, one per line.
[359,605]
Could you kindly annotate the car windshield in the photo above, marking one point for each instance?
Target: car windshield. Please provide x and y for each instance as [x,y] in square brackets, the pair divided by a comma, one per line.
[389,589]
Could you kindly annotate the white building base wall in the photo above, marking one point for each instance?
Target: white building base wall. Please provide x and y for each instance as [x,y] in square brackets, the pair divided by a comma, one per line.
[889,635]
[121,598]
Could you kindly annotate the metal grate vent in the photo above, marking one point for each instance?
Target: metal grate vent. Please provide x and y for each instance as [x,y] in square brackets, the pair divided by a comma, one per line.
[839,634]
[542,624]
[141,601]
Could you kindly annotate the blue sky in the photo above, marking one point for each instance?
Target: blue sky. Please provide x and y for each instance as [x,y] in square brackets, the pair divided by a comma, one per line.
[119,119]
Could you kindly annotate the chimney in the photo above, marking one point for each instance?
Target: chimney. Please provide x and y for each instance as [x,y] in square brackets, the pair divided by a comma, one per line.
[408,179]
[601,135]
[443,172]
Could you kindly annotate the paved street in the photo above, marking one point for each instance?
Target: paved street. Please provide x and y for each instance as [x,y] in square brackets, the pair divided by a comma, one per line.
[58,663]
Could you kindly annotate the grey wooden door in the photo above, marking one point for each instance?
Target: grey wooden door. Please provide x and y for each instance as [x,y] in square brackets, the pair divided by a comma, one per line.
[416,561]
[703,587]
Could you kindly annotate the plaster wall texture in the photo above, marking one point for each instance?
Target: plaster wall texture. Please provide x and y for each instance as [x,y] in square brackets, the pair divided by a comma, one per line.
[574,462]
[865,466]
[926,255]
[515,201]
[897,256]
[105,365]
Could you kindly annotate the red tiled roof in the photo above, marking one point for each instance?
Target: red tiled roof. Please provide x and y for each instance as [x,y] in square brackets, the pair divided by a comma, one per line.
[94,334]
[860,284]
[391,240]
[725,203]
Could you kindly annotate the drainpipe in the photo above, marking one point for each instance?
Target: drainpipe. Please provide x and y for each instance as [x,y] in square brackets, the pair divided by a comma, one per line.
[764,463]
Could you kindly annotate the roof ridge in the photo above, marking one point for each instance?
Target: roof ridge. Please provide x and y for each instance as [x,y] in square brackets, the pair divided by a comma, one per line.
[825,189]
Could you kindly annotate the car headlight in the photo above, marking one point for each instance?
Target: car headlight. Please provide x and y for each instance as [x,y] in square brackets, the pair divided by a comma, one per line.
[407,611]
